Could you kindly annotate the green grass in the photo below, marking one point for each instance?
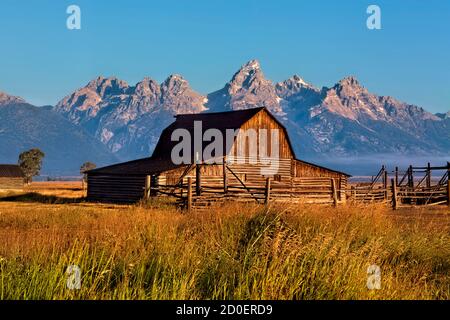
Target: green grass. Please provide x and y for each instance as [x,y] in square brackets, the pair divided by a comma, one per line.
[234,252]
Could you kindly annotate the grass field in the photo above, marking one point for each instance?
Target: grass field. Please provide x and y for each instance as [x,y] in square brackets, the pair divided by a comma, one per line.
[153,251]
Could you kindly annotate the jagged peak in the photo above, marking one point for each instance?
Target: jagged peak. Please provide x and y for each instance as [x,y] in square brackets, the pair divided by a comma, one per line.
[247,75]
[98,81]
[350,81]
[146,82]
[174,81]
[295,81]
[102,80]
[249,68]
[296,78]
[174,77]
[6,98]
[145,86]
[107,85]
[348,86]
[252,64]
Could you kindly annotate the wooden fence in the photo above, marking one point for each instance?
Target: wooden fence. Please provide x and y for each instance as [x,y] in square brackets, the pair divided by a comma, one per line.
[316,190]
[300,190]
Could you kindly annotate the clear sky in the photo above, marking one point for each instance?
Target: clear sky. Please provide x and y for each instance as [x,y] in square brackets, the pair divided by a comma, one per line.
[208,40]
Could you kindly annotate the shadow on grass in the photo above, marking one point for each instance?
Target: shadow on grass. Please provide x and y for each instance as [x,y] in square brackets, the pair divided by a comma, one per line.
[41,198]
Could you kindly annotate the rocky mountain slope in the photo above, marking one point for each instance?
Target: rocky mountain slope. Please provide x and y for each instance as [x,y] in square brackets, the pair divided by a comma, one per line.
[347,119]
[443,115]
[129,119]
[67,146]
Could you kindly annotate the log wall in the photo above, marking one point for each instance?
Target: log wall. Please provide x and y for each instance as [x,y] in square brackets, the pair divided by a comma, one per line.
[115,188]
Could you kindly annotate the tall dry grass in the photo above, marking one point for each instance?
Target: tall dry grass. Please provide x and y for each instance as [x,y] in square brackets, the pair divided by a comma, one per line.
[153,251]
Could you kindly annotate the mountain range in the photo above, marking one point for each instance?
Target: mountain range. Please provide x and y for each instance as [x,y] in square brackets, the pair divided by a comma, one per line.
[66,145]
[109,120]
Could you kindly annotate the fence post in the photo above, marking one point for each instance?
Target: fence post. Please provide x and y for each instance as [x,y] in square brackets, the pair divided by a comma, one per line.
[396,175]
[334,192]
[148,187]
[189,194]
[394,194]
[410,177]
[353,196]
[385,184]
[267,193]
[429,175]
[225,177]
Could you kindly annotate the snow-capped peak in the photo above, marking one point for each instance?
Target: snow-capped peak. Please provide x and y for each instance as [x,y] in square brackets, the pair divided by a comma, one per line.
[252,64]
[300,81]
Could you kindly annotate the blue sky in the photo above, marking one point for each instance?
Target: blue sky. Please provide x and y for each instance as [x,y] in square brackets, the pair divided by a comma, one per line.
[208,40]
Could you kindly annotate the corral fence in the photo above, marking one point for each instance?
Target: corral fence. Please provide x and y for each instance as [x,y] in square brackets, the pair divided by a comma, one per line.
[416,186]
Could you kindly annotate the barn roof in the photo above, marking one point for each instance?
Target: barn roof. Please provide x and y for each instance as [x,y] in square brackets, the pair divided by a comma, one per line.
[146,166]
[210,120]
[322,167]
[11,171]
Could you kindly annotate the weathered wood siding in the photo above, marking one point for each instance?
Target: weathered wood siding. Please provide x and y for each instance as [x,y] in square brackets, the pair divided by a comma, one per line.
[262,120]
[170,177]
[11,183]
[115,188]
[302,169]
[279,168]
[247,172]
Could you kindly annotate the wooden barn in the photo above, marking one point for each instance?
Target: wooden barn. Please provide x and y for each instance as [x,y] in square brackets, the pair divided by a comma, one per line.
[11,177]
[249,160]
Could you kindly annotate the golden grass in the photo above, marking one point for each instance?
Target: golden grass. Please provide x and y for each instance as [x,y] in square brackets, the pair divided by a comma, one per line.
[153,251]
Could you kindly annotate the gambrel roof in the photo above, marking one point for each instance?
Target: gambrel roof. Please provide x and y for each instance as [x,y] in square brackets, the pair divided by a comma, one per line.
[214,120]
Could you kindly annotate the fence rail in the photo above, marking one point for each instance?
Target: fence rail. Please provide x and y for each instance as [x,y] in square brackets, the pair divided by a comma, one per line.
[316,190]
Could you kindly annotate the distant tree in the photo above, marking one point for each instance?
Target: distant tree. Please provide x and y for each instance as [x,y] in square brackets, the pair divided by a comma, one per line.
[86,167]
[31,162]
